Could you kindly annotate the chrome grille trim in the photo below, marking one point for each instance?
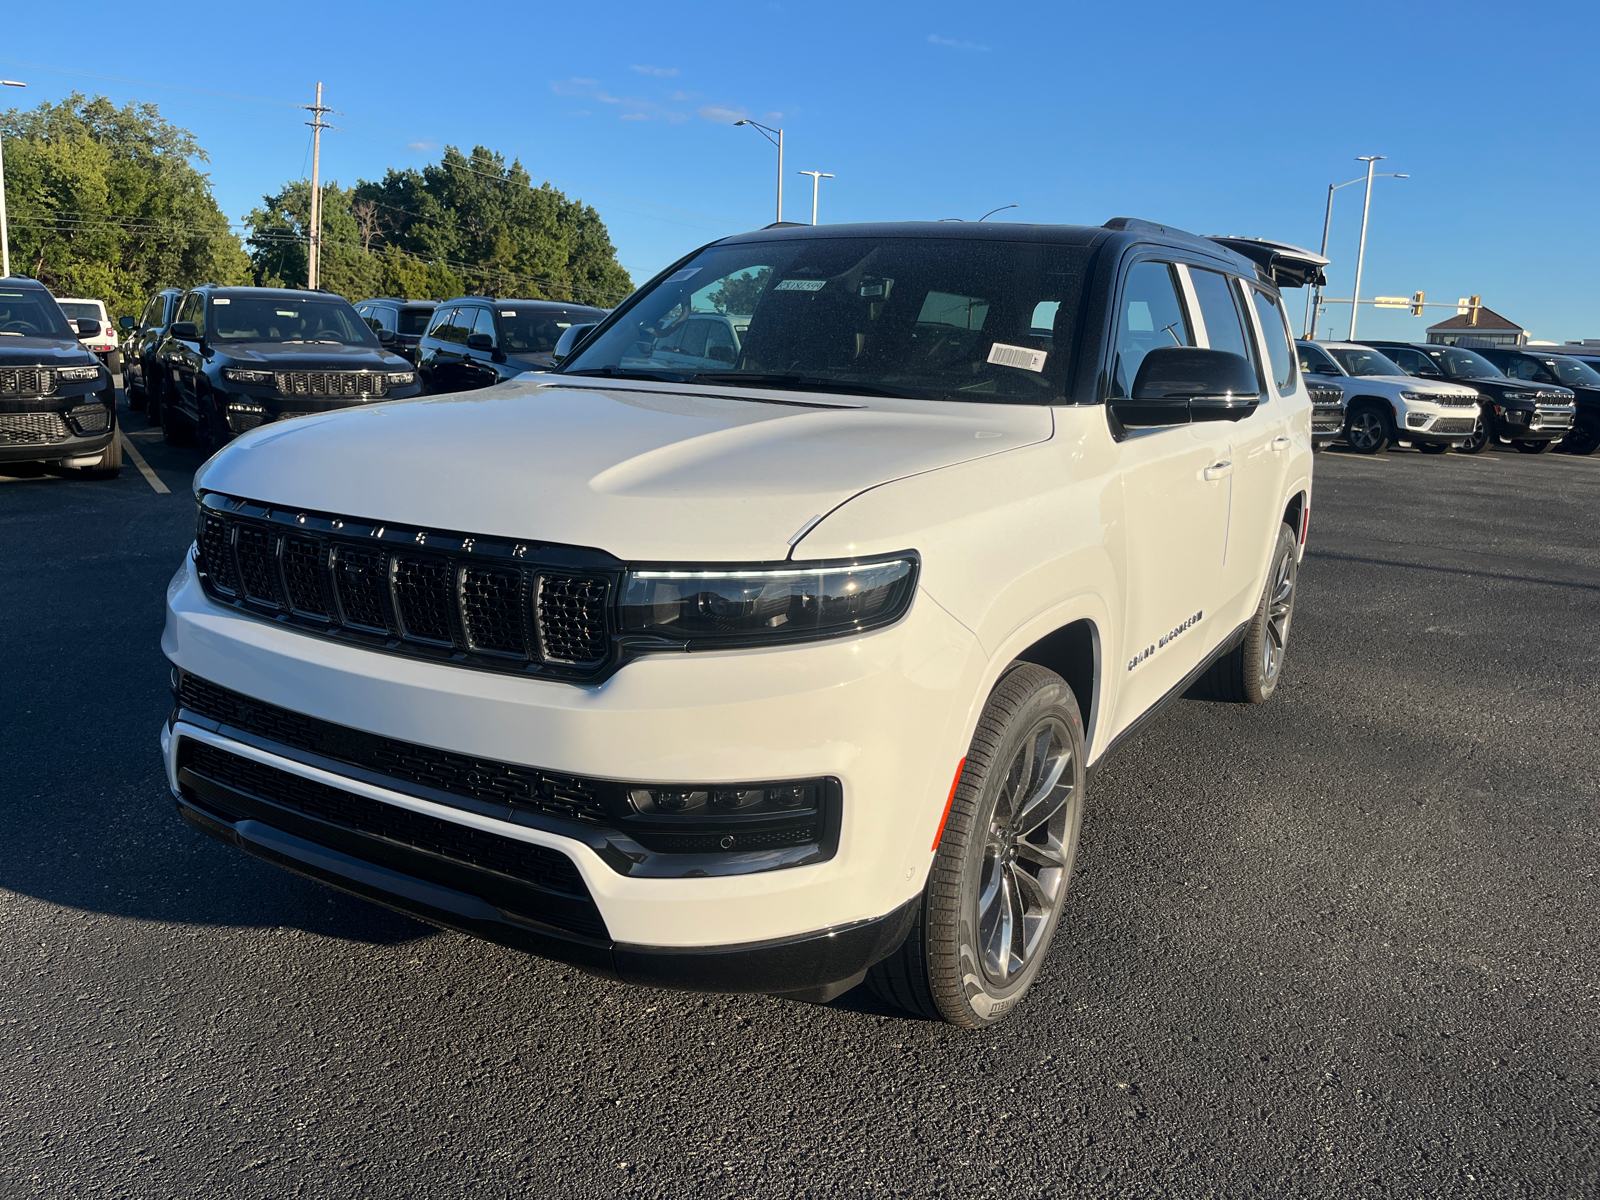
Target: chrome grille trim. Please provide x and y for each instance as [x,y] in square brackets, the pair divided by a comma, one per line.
[328,383]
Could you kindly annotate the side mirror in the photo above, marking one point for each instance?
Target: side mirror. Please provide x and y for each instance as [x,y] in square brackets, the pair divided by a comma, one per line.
[480,341]
[127,324]
[385,336]
[1179,384]
[568,341]
[186,331]
[88,327]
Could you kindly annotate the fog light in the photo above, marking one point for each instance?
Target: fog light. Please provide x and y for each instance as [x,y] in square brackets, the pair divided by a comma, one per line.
[1416,420]
[243,416]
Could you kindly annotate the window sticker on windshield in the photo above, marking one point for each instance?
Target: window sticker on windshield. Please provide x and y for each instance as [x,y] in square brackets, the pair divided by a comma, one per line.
[801,285]
[221,300]
[680,276]
[1017,356]
[505,313]
[283,312]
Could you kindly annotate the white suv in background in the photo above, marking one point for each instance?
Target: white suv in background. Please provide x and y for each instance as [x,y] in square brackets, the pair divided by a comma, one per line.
[1384,406]
[103,344]
[780,668]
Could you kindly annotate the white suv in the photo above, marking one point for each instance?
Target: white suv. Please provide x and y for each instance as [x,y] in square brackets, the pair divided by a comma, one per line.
[102,344]
[766,677]
[1383,405]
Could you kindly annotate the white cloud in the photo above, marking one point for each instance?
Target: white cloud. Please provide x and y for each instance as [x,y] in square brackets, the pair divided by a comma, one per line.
[723,115]
[956,44]
[660,72]
[639,108]
[421,147]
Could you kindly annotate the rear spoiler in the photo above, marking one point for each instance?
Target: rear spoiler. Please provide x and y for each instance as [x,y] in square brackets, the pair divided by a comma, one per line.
[1289,266]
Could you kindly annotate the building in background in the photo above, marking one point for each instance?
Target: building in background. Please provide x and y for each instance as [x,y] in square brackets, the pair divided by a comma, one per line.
[1491,330]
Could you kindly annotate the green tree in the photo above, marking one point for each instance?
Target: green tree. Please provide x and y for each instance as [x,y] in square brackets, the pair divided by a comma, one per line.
[107,202]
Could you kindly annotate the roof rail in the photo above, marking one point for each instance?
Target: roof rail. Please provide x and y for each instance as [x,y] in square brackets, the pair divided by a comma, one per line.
[1137,225]
[785,225]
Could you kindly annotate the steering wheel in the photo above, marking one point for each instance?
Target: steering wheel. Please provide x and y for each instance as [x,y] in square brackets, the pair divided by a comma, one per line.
[27,327]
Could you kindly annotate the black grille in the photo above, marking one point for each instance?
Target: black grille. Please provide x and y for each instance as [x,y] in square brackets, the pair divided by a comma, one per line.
[572,619]
[711,843]
[484,779]
[329,383]
[91,418]
[302,575]
[216,553]
[473,601]
[360,578]
[1454,425]
[17,429]
[423,598]
[491,610]
[544,868]
[257,551]
[27,381]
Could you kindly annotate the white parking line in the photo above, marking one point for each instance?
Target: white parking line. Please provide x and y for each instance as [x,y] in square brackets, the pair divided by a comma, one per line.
[150,476]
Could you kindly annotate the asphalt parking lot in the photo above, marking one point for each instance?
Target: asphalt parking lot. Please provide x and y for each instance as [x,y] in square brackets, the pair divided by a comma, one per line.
[1341,945]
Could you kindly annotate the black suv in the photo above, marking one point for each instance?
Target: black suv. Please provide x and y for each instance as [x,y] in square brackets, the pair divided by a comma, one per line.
[58,403]
[1531,418]
[406,319]
[144,339]
[235,358]
[476,341]
[1548,365]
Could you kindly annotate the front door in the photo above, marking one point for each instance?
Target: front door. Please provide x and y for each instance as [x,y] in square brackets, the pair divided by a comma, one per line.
[1176,483]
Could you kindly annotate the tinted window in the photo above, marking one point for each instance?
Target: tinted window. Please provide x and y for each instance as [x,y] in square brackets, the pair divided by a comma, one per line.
[927,318]
[1150,315]
[692,340]
[74,311]
[1411,362]
[1575,373]
[260,319]
[32,314]
[449,327]
[193,309]
[1314,362]
[1364,362]
[382,314]
[1463,364]
[153,312]
[1516,366]
[1275,329]
[537,330]
[414,320]
[1224,324]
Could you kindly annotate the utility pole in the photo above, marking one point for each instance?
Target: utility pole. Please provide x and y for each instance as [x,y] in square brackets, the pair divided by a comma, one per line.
[5,232]
[816,180]
[314,241]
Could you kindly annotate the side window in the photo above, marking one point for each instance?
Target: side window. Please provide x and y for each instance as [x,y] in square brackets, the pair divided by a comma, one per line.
[1410,361]
[153,313]
[1521,368]
[1275,330]
[484,323]
[442,320]
[1315,362]
[1224,329]
[193,309]
[1149,315]
[693,341]
[384,315]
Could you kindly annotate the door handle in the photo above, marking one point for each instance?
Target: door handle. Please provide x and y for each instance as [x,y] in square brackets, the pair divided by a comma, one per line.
[1280,444]
[1219,470]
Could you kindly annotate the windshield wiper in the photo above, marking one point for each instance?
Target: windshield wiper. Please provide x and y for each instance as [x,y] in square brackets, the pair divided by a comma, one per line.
[800,383]
[624,373]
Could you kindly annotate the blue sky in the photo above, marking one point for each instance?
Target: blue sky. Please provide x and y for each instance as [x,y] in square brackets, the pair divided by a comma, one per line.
[1215,118]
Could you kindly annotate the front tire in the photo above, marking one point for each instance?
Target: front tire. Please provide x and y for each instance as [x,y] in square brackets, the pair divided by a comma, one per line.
[1367,430]
[1526,446]
[1585,436]
[1000,872]
[1249,673]
[1478,441]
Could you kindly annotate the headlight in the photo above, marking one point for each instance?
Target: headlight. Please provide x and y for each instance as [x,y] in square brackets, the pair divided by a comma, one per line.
[243,375]
[1419,397]
[729,607]
[400,378]
[74,374]
[1520,396]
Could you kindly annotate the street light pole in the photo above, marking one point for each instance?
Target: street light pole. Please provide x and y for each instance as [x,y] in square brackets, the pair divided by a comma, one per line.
[5,232]
[1314,298]
[1371,160]
[816,180]
[775,136]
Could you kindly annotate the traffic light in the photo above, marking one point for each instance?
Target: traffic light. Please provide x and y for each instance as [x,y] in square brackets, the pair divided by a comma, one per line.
[1474,303]
[1416,303]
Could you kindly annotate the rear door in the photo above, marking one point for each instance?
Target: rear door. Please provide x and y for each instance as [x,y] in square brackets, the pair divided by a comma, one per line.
[1175,484]
[181,358]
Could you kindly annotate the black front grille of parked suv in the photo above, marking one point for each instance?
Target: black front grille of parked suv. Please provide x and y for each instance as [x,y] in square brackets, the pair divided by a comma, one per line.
[19,429]
[27,381]
[476,601]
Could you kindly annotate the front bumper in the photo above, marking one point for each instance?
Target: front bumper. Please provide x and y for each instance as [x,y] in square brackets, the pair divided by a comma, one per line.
[1327,424]
[56,428]
[882,714]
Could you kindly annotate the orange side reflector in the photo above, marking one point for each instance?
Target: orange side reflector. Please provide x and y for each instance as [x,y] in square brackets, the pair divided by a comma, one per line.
[954,783]
[1305,524]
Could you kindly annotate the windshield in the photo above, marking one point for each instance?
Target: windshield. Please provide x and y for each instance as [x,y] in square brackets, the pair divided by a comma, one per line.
[32,314]
[537,330]
[1365,362]
[1463,364]
[414,320]
[74,311]
[253,319]
[934,319]
[1572,372]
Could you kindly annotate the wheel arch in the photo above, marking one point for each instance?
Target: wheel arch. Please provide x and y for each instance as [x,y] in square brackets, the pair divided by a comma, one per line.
[1367,399]
[1072,652]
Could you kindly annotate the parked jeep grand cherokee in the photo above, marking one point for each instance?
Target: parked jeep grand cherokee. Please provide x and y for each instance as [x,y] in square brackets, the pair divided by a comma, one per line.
[236,358]
[1542,364]
[58,404]
[476,341]
[1532,418]
[1383,405]
[764,677]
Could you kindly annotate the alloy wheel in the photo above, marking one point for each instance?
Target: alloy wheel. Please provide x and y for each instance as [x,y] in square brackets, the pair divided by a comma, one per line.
[1366,431]
[1028,852]
[1280,609]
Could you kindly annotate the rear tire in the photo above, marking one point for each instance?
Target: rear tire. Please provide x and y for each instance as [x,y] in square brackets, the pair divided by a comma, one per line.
[1249,673]
[1530,447]
[1367,430]
[1000,872]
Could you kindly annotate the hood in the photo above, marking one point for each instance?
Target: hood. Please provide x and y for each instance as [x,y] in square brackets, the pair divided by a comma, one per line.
[1417,384]
[646,472]
[295,356]
[42,352]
